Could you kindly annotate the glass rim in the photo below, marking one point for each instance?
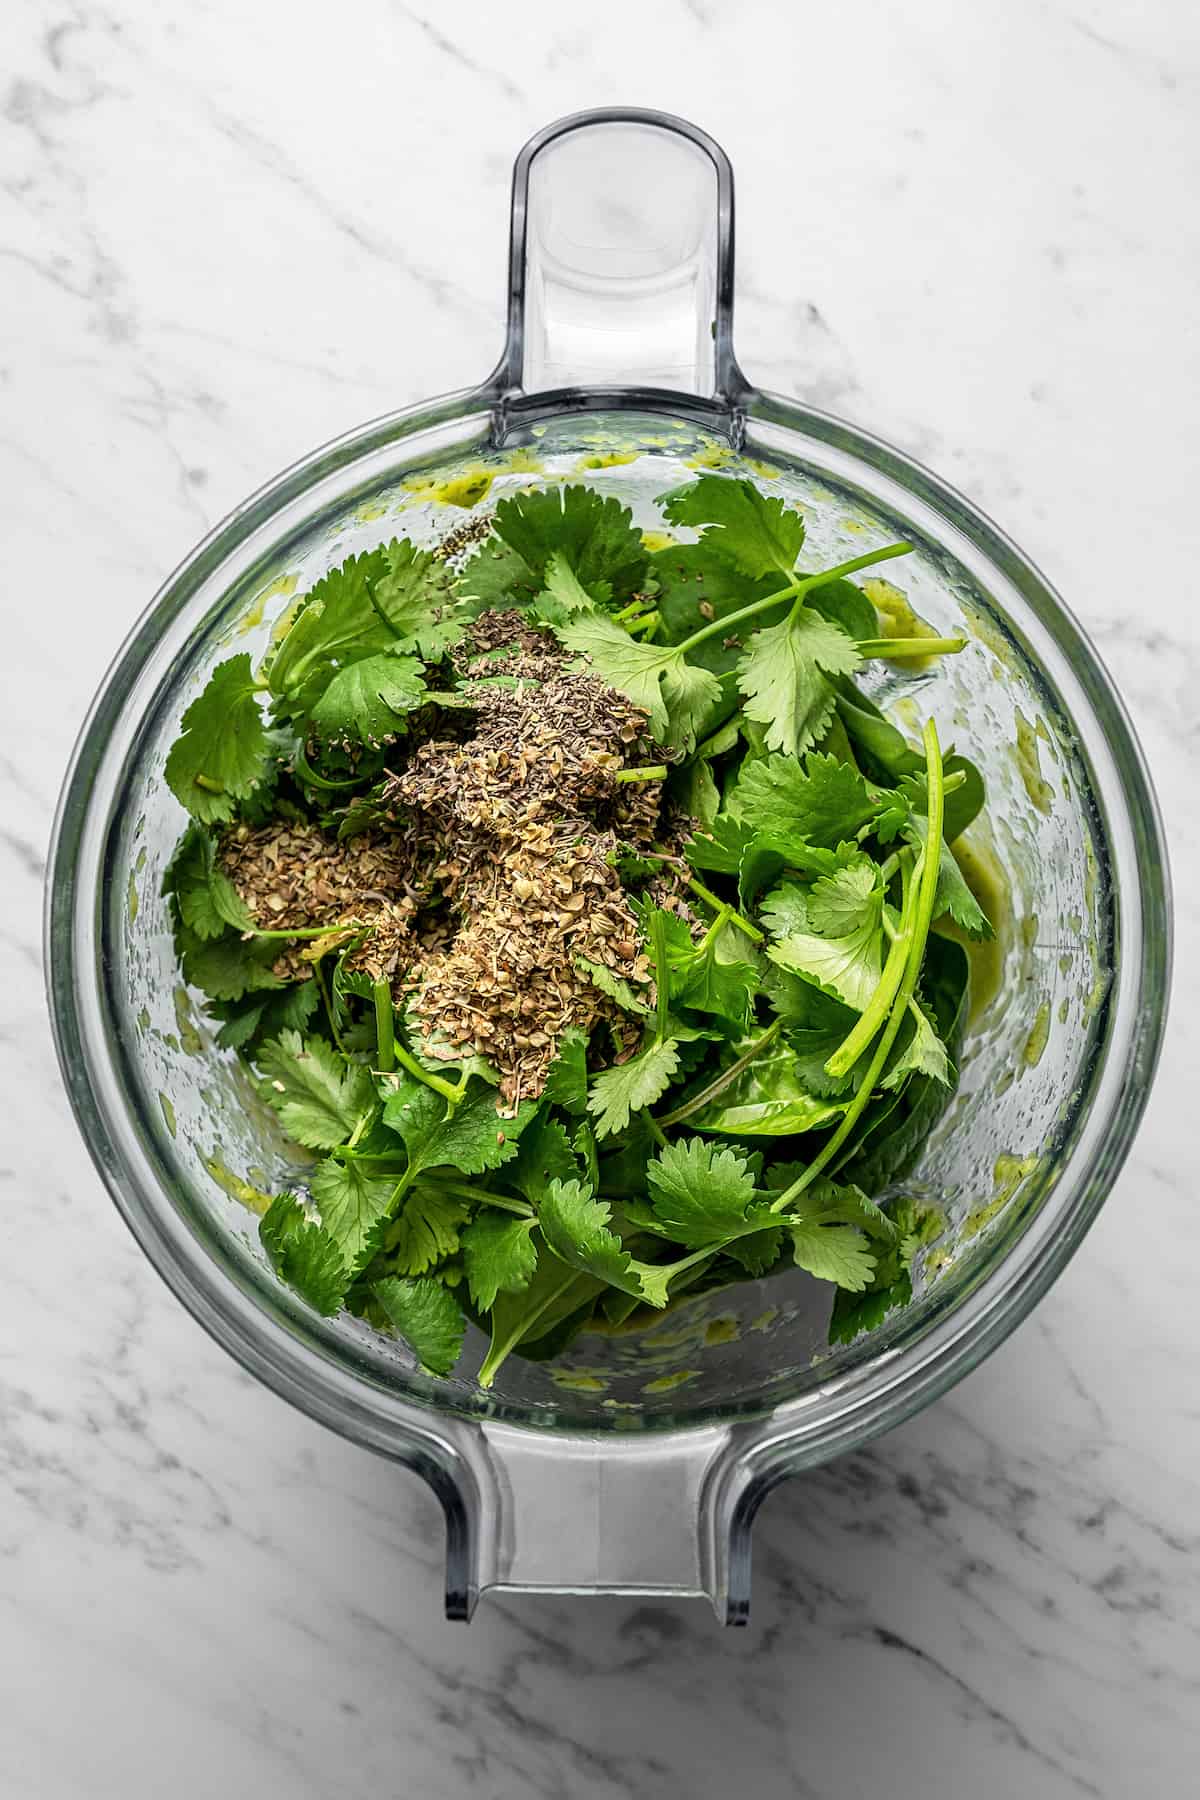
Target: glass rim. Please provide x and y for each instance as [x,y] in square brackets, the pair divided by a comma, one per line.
[298,1358]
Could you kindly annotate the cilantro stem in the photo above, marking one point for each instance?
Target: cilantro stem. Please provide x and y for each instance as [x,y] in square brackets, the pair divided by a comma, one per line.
[901,647]
[384,1026]
[363,1121]
[801,585]
[649,772]
[452,1095]
[628,612]
[733,917]
[369,586]
[723,626]
[310,931]
[646,624]
[302,767]
[699,1101]
[662,975]
[330,1009]
[462,1190]
[879,1006]
[656,1131]
[920,907]
[709,938]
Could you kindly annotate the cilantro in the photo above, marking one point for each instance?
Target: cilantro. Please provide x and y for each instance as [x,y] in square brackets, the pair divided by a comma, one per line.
[784,675]
[303,1254]
[368,701]
[800,1000]
[469,1136]
[566,1079]
[594,534]
[222,753]
[207,900]
[836,1253]
[351,1204]
[627,1087]
[678,695]
[396,598]
[615,986]
[701,1195]
[499,1255]
[319,1097]
[754,531]
[823,801]
[576,1226]
[426,1231]
[228,967]
[427,1316]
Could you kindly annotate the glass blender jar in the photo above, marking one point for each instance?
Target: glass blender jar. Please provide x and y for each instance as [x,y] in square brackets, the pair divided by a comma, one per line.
[635,1462]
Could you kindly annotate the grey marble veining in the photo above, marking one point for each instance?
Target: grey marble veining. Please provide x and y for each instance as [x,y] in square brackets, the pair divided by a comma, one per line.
[227,233]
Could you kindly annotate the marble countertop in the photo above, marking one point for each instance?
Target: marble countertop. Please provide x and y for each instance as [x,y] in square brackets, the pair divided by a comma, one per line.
[228,234]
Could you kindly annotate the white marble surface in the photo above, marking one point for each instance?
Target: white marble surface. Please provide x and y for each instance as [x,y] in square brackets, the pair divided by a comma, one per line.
[228,232]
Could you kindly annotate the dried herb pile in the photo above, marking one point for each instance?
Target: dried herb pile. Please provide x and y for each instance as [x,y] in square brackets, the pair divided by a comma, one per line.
[578,910]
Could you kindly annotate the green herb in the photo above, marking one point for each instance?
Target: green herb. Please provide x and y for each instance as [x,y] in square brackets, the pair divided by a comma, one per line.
[774,1017]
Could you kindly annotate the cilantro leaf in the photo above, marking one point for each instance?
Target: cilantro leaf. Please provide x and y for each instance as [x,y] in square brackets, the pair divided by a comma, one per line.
[427,1316]
[222,752]
[207,900]
[575,1224]
[426,1231]
[841,903]
[499,1255]
[303,1255]
[691,578]
[229,967]
[319,1097]
[367,701]
[395,598]
[593,532]
[627,1087]
[351,1204]
[953,896]
[785,910]
[767,1099]
[415,595]
[545,1155]
[257,1016]
[850,904]
[824,801]
[784,675]
[566,1078]
[470,1137]
[922,1054]
[615,986]
[836,1253]
[555,1293]
[564,593]
[754,530]
[703,1195]
[676,694]
[721,848]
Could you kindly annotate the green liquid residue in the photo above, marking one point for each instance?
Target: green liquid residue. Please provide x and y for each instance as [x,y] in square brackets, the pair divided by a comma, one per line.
[606,459]
[657,540]
[579,1381]
[189,1037]
[465,490]
[1007,1176]
[133,897]
[1039,1037]
[724,1330]
[143,1019]
[765,1320]
[235,1187]
[897,618]
[664,1384]
[168,1112]
[983,874]
[1029,765]
[1064,1010]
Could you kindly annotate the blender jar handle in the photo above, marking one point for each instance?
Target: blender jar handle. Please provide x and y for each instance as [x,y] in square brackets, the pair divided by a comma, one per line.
[621,261]
[666,1514]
